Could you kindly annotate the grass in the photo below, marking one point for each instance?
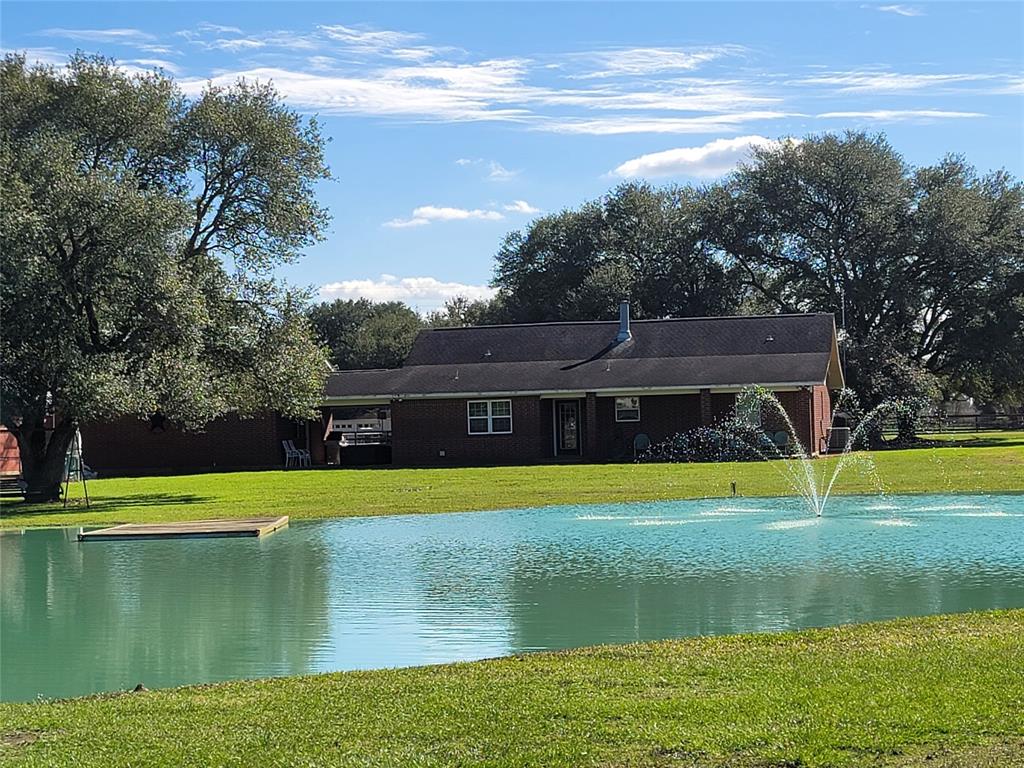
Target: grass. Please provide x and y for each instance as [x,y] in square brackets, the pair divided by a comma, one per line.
[939,691]
[982,462]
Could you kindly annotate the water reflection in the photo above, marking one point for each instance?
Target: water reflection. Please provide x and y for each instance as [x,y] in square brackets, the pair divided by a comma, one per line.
[346,594]
[78,618]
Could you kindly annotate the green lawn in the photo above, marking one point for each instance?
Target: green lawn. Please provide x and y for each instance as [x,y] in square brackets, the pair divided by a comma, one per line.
[940,692]
[983,462]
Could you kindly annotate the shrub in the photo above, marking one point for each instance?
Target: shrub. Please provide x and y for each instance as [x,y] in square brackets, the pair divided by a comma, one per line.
[729,441]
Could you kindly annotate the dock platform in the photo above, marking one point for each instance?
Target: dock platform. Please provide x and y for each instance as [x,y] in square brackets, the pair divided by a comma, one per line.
[193,529]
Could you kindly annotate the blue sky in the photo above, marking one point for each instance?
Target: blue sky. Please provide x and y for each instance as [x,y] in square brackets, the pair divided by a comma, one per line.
[453,124]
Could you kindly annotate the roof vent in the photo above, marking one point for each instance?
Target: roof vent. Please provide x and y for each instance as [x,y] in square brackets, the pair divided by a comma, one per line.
[487,353]
[769,339]
[624,333]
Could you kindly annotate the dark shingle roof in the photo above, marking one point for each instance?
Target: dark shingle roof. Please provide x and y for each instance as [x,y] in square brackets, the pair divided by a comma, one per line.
[689,352]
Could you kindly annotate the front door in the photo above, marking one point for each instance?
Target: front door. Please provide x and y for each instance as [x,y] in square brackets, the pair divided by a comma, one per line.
[567,428]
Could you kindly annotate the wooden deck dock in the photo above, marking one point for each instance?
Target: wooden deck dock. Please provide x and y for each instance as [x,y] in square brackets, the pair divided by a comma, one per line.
[195,529]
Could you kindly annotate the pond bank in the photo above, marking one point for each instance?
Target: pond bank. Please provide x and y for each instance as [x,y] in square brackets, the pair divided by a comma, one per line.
[939,691]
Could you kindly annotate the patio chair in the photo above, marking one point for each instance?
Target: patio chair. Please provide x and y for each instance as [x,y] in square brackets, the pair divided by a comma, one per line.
[301,455]
[640,444]
[291,455]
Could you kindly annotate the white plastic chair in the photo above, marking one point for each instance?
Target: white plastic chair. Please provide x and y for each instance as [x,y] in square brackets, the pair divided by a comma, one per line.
[301,455]
[291,455]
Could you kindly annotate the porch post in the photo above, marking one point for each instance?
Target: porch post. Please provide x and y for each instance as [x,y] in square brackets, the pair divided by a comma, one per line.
[707,416]
[807,406]
[590,426]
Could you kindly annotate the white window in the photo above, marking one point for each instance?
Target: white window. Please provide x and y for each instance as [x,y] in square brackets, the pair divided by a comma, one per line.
[627,409]
[490,417]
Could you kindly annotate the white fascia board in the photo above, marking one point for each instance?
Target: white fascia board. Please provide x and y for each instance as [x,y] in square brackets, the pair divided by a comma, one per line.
[557,393]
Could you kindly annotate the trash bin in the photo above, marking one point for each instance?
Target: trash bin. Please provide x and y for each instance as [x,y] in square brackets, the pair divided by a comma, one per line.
[332,449]
[838,439]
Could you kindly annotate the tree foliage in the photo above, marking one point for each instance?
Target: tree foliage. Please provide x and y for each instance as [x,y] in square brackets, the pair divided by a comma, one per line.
[140,231]
[462,311]
[638,242]
[362,334]
[921,266]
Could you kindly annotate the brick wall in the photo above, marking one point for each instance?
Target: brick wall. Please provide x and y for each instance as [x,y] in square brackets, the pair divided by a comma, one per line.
[798,407]
[128,446]
[661,416]
[822,416]
[422,429]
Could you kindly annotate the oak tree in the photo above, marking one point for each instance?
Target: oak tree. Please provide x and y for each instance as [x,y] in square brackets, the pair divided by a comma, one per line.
[140,231]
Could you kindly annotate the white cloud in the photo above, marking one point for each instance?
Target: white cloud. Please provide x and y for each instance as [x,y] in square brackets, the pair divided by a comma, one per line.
[649,61]
[371,40]
[150,64]
[392,74]
[715,158]
[495,170]
[53,57]
[158,49]
[405,223]
[232,40]
[48,56]
[332,38]
[1014,85]
[520,206]
[387,73]
[897,115]
[675,95]
[236,44]
[205,26]
[423,292]
[127,36]
[888,82]
[641,124]
[425,214]
[902,10]
[436,213]
[457,93]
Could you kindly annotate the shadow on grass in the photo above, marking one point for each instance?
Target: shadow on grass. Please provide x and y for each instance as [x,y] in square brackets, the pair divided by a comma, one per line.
[103,504]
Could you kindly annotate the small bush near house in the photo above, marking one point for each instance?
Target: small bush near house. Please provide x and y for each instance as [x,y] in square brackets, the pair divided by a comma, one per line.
[732,440]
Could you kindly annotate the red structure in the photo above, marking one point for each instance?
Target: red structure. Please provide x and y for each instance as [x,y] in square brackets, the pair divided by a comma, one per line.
[10,461]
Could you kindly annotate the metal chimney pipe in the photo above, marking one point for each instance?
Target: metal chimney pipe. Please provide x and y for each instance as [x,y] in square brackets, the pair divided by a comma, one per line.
[624,333]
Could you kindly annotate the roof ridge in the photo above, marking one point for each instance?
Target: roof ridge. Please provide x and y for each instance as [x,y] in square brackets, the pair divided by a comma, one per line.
[632,322]
[574,361]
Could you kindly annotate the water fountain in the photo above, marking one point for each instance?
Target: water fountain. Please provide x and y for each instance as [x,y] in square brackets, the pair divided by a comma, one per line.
[797,466]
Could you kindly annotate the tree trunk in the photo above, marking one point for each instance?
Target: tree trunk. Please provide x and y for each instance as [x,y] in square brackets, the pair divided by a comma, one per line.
[43,458]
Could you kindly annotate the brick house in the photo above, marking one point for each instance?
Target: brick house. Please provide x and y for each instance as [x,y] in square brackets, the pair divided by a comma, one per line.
[520,394]
[531,393]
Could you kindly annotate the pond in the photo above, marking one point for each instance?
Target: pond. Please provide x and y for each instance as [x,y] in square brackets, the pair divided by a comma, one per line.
[78,618]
